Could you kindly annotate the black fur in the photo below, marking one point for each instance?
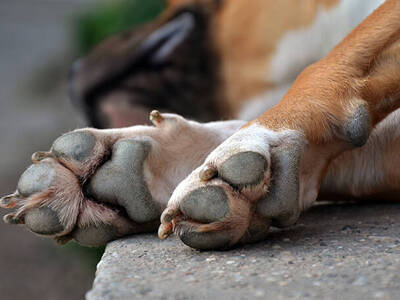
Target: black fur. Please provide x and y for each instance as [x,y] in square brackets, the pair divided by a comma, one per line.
[186,83]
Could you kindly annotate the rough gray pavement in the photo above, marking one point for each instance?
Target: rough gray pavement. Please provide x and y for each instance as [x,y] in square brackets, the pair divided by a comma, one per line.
[341,251]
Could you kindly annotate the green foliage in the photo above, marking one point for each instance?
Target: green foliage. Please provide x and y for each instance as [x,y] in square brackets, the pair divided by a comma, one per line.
[92,255]
[112,17]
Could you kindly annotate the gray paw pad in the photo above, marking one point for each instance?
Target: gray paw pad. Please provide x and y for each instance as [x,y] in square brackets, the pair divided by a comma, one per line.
[43,220]
[245,168]
[359,126]
[281,203]
[36,179]
[120,181]
[206,204]
[94,236]
[205,240]
[75,145]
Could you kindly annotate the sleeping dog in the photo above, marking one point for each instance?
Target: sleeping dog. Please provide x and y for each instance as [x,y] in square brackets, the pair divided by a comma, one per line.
[334,133]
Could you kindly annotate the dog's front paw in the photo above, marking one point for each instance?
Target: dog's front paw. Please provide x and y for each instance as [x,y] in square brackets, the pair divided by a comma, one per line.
[246,184]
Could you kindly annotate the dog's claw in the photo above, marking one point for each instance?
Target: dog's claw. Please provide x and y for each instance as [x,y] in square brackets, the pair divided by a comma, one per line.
[156,118]
[9,200]
[168,215]
[165,230]
[208,173]
[40,155]
[12,219]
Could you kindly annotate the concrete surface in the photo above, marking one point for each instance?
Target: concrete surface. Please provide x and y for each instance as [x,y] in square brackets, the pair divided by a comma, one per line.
[341,251]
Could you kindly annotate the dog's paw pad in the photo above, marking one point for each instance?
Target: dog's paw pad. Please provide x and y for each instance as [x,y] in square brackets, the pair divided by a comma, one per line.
[243,169]
[43,221]
[206,204]
[94,236]
[76,145]
[204,240]
[208,217]
[36,178]
[127,187]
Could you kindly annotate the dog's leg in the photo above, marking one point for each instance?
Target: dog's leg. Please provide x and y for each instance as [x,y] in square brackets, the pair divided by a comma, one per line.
[271,169]
[371,172]
[97,185]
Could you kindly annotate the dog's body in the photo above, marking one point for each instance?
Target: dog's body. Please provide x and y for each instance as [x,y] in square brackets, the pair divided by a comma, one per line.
[336,128]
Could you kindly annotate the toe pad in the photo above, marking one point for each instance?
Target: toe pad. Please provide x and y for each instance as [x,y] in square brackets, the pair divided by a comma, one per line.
[76,145]
[205,240]
[245,168]
[43,221]
[36,178]
[121,181]
[94,236]
[206,204]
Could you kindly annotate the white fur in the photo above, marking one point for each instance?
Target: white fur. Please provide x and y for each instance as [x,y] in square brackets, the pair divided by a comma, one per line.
[257,105]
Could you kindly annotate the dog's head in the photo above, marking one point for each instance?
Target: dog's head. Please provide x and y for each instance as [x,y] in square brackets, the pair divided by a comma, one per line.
[200,59]
[170,64]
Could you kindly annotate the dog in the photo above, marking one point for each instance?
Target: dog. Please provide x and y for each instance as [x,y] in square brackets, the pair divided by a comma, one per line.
[334,133]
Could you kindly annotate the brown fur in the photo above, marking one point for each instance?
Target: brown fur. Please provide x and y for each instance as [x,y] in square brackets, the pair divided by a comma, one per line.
[360,67]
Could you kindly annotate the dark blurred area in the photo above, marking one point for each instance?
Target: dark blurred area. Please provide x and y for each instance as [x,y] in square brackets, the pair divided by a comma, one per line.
[170,64]
[39,40]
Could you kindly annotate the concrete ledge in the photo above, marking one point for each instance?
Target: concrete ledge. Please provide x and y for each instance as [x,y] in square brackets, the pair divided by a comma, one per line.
[335,251]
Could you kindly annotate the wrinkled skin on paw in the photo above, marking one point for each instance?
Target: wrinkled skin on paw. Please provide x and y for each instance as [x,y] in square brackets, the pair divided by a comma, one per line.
[241,189]
[127,187]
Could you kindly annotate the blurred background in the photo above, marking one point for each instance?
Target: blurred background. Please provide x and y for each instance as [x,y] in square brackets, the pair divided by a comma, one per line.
[39,40]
